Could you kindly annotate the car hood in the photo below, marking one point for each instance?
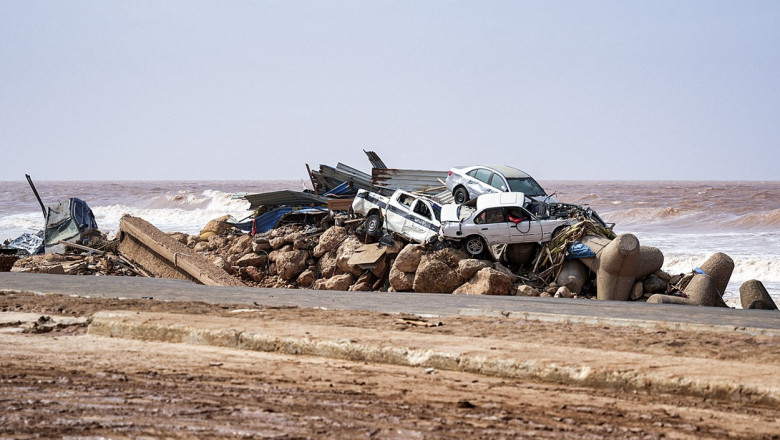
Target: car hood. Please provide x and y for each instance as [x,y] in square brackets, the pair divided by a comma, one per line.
[449,213]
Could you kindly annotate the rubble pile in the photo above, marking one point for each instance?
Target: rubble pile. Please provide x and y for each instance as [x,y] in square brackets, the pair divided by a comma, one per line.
[77,264]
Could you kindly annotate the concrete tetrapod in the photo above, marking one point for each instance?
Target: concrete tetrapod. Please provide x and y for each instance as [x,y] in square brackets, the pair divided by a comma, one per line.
[701,291]
[719,266]
[753,295]
[617,263]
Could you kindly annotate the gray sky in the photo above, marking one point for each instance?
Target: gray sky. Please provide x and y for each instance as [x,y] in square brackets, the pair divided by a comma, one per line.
[142,90]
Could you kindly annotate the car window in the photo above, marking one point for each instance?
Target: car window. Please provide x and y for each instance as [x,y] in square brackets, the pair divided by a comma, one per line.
[526,185]
[496,181]
[406,200]
[490,215]
[421,208]
[483,175]
[473,173]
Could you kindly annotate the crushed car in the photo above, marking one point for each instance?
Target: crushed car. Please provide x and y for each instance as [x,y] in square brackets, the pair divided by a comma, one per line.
[466,183]
[502,218]
[413,217]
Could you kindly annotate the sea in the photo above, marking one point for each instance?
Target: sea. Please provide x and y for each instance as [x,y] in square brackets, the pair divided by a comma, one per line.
[688,221]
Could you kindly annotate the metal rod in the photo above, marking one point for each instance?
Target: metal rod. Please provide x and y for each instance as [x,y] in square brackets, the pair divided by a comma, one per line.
[43,208]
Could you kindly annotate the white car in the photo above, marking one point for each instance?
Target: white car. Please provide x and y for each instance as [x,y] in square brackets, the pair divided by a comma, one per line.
[466,183]
[500,218]
[410,216]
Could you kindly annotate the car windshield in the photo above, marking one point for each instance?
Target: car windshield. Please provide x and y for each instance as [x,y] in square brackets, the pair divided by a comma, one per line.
[526,185]
[436,211]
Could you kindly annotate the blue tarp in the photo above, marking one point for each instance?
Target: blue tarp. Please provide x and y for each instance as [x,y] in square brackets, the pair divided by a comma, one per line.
[579,250]
[267,221]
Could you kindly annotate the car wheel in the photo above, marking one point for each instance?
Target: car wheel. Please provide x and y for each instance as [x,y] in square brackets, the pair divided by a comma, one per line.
[474,245]
[373,224]
[439,245]
[460,195]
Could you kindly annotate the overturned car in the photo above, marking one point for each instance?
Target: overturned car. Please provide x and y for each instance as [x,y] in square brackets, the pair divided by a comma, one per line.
[505,218]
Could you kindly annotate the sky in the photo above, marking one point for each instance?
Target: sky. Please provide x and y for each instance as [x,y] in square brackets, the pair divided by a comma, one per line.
[254,90]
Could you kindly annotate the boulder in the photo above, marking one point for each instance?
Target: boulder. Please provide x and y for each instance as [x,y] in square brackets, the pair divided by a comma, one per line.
[290,264]
[338,282]
[401,281]
[221,263]
[487,281]
[344,252]
[217,226]
[363,283]
[202,246]
[753,295]
[306,278]
[330,240]
[252,259]
[564,292]
[381,268]
[261,245]
[277,243]
[395,248]
[434,276]
[451,257]
[409,258]
[638,292]
[574,274]
[505,270]
[192,240]
[242,246]
[253,273]
[292,237]
[469,266]
[327,264]
[525,290]
[653,284]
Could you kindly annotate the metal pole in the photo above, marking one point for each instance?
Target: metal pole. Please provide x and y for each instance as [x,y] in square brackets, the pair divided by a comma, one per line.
[43,208]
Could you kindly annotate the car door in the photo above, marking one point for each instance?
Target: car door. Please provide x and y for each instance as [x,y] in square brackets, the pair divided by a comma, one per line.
[527,230]
[493,226]
[419,224]
[480,182]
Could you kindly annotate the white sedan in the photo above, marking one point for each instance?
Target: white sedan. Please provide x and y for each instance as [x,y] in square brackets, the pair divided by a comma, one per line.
[492,219]
[466,183]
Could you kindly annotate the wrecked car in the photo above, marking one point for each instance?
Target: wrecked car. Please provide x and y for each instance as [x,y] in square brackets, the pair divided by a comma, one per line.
[410,216]
[466,183]
[501,218]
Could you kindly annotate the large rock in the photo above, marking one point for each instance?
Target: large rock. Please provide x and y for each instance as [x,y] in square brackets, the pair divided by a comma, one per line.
[218,226]
[653,284]
[468,267]
[327,264]
[338,282]
[343,254]
[290,264]
[753,295]
[487,281]
[306,278]
[525,290]
[434,276]
[617,267]
[451,257]
[242,246]
[401,281]
[277,243]
[409,258]
[330,240]
[252,260]
[505,270]
[574,274]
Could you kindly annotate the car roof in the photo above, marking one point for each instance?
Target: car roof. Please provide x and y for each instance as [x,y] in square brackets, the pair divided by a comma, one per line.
[500,199]
[506,170]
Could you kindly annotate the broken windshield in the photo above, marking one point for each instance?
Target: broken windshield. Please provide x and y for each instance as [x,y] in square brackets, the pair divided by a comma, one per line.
[526,185]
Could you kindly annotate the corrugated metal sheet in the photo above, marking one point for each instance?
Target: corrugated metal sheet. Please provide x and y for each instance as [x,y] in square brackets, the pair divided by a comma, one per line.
[409,180]
[284,197]
[376,162]
[330,177]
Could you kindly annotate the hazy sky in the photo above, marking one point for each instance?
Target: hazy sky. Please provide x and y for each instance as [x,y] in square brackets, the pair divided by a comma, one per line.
[140,90]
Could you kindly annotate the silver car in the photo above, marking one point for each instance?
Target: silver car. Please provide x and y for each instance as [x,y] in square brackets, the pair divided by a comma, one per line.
[466,183]
[500,218]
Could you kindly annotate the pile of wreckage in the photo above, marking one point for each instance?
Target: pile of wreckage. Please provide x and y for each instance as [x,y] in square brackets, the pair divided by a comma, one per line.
[318,239]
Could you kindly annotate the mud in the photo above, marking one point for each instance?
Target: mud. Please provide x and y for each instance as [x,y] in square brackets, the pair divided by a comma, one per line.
[66,383]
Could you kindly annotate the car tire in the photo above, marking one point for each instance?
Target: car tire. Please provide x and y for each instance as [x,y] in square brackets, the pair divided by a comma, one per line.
[440,245]
[474,245]
[460,195]
[374,225]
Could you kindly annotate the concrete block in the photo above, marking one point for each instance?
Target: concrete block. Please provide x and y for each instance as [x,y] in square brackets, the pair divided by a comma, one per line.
[753,295]
[618,263]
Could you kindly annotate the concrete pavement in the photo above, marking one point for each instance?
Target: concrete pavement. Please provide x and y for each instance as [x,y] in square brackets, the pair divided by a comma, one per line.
[764,322]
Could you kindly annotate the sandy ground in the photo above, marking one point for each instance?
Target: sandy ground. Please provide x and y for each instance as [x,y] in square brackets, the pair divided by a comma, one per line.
[68,384]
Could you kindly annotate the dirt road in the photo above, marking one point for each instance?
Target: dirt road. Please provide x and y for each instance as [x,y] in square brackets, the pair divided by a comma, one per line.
[67,383]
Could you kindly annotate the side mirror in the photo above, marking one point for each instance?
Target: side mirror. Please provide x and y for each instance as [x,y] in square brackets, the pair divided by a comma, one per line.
[503,187]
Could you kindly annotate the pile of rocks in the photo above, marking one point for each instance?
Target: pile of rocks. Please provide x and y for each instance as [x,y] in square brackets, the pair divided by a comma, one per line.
[76,264]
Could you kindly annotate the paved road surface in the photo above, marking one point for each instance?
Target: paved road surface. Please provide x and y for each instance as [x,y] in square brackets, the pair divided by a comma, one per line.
[553,309]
